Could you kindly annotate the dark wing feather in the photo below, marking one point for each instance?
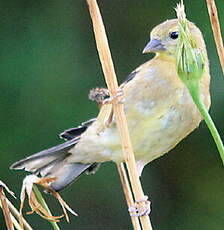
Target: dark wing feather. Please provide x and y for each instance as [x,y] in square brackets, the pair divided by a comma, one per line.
[77,131]
[131,76]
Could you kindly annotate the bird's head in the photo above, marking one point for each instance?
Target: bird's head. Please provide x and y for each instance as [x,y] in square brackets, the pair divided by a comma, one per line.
[164,38]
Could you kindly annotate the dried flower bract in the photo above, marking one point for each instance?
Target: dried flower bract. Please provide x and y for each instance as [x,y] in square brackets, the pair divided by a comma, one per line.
[36,201]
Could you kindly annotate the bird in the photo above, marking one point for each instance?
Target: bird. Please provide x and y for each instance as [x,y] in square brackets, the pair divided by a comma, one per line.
[159,110]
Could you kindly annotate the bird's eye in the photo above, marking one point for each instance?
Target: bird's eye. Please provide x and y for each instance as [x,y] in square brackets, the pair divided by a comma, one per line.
[174,35]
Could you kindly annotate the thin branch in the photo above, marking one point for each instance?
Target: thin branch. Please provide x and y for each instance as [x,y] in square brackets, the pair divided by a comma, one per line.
[213,14]
[111,80]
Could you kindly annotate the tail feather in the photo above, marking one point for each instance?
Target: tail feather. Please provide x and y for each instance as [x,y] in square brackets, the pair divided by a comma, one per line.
[54,162]
[43,158]
[66,174]
[47,169]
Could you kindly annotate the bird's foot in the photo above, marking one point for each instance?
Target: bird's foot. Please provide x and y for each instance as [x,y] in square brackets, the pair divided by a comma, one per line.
[140,208]
[116,98]
[99,95]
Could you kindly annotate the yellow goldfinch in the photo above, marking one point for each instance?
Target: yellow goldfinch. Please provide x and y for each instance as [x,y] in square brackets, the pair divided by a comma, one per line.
[159,111]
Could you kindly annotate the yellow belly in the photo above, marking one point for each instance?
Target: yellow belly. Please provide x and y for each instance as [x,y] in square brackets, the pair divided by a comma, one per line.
[160,113]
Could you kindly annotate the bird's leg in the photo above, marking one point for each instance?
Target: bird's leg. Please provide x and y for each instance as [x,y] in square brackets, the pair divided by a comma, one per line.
[140,208]
[115,98]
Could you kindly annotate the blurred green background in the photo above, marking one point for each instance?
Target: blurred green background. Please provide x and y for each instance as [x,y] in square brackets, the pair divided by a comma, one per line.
[48,64]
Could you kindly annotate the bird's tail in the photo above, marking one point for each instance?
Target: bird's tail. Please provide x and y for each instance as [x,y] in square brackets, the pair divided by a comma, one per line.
[53,163]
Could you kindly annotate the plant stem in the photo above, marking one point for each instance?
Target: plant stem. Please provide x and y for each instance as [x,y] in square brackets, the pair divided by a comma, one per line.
[194,91]
[15,212]
[44,204]
[15,222]
[5,209]
[128,194]
[213,14]
[111,80]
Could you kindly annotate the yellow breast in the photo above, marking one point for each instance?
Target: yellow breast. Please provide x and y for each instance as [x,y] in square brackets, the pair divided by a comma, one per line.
[160,113]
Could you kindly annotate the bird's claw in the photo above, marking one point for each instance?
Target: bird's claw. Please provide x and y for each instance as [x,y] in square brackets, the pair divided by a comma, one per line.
[99,95]
[116,98]
[139,209]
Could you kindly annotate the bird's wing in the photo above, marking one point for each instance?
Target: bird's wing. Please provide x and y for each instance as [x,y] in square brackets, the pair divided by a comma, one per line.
[131,76]
[77,131]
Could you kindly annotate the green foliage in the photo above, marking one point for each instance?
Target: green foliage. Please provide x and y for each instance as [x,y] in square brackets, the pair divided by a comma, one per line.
[191,64]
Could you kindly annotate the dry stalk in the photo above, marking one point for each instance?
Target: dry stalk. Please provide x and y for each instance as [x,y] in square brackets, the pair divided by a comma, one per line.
[213,14]
[128,194]
[111,80]
[5,209]
[15,213]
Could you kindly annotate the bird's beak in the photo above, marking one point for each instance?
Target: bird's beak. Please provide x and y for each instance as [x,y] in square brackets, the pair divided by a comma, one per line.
[154,45]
